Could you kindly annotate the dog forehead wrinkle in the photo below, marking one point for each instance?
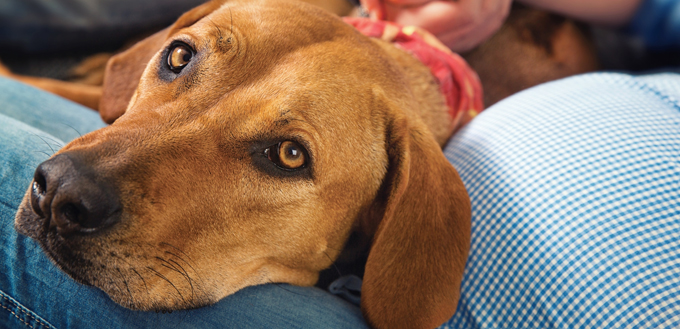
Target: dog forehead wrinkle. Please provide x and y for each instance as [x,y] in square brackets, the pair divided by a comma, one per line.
[262,21]
[210,31]
[221,40]
[285,78]
[263,106]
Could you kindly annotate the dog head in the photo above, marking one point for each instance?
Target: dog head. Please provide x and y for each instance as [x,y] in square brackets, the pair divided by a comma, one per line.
[257,136]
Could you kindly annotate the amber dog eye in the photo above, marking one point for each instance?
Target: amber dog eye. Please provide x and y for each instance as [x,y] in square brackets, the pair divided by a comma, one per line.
[180,55]
[287,155]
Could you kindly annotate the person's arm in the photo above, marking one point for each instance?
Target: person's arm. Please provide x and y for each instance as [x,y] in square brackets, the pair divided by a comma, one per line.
[464,24]
[613,13]
[461,25]
[655,22]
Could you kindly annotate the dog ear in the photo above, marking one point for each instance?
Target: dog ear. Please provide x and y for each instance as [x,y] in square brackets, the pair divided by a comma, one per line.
[415,266]
[124,70]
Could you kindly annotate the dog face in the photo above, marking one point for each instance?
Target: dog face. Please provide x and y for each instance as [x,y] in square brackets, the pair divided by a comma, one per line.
[254,142]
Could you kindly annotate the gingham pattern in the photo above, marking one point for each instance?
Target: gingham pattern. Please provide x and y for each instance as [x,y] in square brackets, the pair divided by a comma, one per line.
[575,189]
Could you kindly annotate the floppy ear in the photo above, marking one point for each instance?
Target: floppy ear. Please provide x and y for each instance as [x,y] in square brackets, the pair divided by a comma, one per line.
[415,266]
[124,70]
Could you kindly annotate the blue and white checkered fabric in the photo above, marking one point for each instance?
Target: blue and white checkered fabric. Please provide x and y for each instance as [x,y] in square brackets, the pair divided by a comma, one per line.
[575,189]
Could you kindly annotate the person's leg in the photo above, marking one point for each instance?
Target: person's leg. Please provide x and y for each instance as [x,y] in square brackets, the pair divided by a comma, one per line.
[53,115]
[34,293]
[575,191]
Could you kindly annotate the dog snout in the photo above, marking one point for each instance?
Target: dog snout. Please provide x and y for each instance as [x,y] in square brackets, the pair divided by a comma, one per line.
[71,197]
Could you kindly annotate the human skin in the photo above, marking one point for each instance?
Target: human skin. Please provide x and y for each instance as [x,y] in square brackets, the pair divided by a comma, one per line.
[464,24]
[460,25]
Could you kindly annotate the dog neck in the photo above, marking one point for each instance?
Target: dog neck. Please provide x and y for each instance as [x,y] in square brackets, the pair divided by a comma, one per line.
[447,90]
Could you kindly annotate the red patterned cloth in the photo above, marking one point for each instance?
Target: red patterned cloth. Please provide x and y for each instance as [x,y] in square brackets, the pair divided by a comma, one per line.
[458,82]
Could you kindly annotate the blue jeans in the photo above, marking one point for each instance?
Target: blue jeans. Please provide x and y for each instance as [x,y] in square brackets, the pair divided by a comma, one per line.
[35,294]
[46,26]
[575,193]
[43,26]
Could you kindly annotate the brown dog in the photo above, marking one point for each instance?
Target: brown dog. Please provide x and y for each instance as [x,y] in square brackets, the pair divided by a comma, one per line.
[532,47]
[258,136]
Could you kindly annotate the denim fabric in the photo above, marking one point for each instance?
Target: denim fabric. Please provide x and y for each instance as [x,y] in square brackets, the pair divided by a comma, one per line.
[35,294]
[61,119]
[40,26]
[657,23]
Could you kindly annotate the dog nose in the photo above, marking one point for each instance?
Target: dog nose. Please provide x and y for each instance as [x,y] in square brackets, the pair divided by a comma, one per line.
[70,196]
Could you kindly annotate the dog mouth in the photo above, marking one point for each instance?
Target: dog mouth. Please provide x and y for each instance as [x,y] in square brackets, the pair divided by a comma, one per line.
[71,253]
[70,210]
[130,274]
[55,246]
[68,262]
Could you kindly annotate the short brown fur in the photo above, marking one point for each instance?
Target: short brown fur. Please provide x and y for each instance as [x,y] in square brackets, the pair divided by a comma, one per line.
[201,219]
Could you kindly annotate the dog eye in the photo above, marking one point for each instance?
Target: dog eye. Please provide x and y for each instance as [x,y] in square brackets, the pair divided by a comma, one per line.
[180,55]
[287,155]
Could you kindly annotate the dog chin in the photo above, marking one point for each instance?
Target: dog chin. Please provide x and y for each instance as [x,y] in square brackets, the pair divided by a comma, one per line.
[122,286]
[146,304]
[29,224]
[79,269]
[125,286]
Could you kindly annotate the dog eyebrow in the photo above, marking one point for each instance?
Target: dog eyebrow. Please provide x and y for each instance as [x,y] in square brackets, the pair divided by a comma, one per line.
[222,44]
[281,122]
[286,117]
[286,121]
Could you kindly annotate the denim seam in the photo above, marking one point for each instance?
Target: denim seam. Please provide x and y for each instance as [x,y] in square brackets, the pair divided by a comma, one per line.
[17,316]
[21,308]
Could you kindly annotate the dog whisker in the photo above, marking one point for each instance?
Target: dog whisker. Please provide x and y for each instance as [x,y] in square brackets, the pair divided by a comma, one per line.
[231,23]
[173,247]
[184,274]
[219,31]
[76,130]
[55,142]
[143,281]
[43,152]
[180,258]
[333,264]
[127,286]
[44,141]
[164,264]
[166,279]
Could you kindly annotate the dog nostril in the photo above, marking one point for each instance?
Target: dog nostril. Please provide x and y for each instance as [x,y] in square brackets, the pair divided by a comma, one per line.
[71,213]
[71,198]
[39,187]
[38,190]
[70,216]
